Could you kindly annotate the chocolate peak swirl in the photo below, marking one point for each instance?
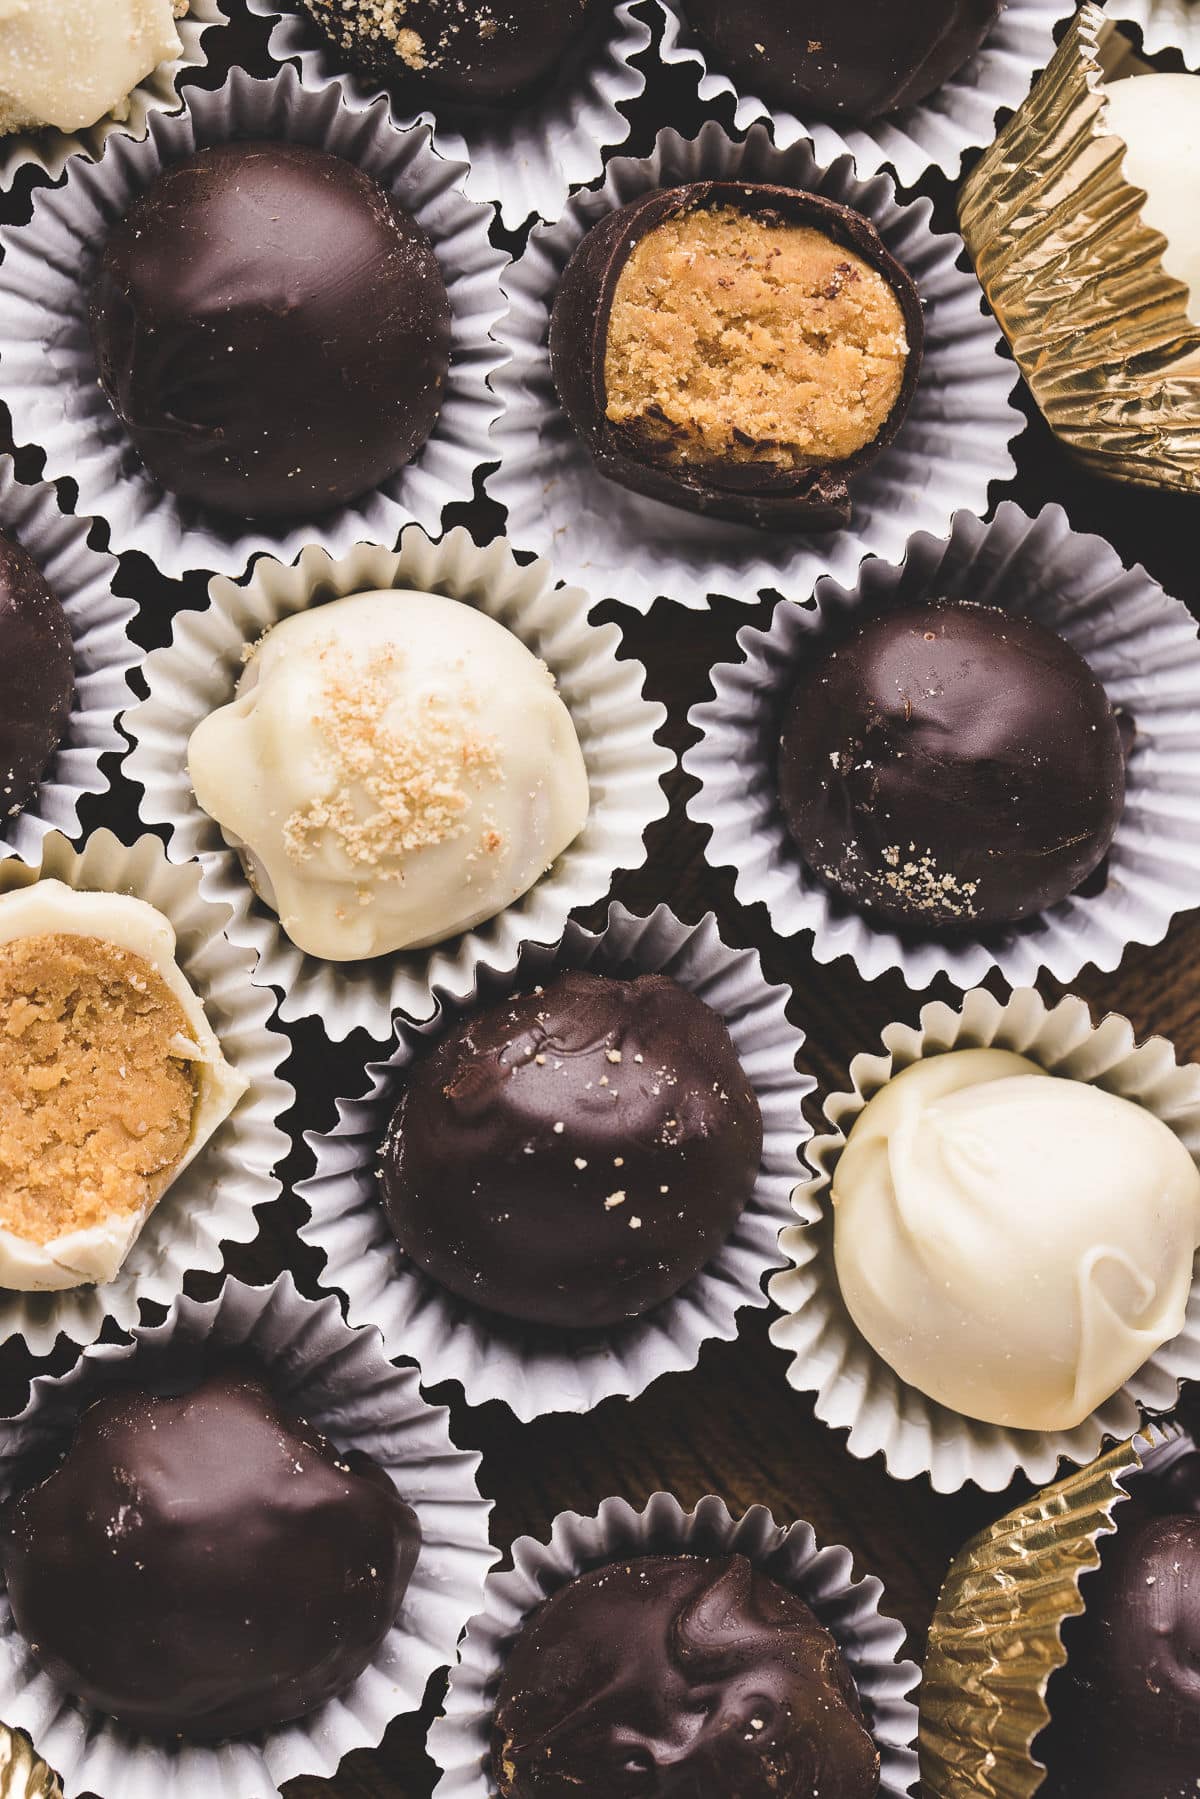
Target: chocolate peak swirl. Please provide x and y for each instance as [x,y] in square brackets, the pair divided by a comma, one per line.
[679,1677]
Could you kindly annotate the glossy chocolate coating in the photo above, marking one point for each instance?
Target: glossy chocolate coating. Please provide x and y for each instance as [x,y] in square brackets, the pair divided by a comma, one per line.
[472,53]
[205,1565]
[673,1677]
[815,498]
[948,766]
[37,691]
[852,59]
[574,1156]
[272,329]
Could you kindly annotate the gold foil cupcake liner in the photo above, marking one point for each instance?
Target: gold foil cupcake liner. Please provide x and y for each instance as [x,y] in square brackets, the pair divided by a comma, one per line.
[23,1775]
[996,1636]
[855,1389]
[1075,278]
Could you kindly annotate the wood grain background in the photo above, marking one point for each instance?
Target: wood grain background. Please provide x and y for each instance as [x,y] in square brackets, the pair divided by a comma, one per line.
[732,1427]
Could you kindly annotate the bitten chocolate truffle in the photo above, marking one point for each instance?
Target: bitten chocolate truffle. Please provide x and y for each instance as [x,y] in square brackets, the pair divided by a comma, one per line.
[949,766]
[574,1156]
[737,349]
[1126,1710]
[851,59]
[669,1676]
[38,682]
[206,1565]
[481,53]
[272,329]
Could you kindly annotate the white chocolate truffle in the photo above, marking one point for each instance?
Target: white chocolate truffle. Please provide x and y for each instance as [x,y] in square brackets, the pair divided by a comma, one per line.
[67,63]
[396,768]
[1158,119]
[65,1064]
[1012,1244]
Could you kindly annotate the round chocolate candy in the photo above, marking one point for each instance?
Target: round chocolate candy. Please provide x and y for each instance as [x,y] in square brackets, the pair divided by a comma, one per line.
[851,59]
[668,1676]
[206,1565]
[736,349]
[474,53]
[949,766]
[35,640]
[272,329]
[574,1156]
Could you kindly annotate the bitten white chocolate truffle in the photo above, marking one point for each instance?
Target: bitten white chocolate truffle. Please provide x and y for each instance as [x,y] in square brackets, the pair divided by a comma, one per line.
[1158,118]
[396,767]
[67,63]
[1013,1244]
[111,1080]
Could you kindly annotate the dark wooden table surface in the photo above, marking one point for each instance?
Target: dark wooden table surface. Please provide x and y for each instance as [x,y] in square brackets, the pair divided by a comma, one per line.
[733,1426]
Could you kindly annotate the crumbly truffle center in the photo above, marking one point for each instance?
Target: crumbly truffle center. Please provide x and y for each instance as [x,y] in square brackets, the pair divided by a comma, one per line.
[96,1099]
[402,777]
[738,337]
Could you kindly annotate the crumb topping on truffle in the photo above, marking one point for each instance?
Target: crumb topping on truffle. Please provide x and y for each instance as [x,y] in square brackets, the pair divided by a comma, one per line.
[741,337]
[415,770]
[386,26]
[96,1087]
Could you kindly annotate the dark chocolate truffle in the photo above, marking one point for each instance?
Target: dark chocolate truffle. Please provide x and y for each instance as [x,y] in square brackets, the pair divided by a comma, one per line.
[272,329]
[470,52]
[949,766]
[737,349]
[206,1565]
[673,1677]
[37,690]
[576,1155]
[849,59]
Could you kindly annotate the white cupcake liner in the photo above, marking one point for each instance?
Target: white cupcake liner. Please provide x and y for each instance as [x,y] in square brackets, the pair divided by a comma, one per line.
[1164,25]
[527,159]
[48,371]
[616,727]
[82,579]
[342,1383]
[1142,644]
[538,1371]
[870,1641]
[960,116]
[212,1200]
[854,1387]
[613,542]
[50,151]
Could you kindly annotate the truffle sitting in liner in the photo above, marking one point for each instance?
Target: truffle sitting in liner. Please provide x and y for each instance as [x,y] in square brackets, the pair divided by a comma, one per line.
[950,767]
[849,59]
[665,1677]
[66,63]
[468,52]
[253,374]
[737,349]
[574,1156]
[38,682]
[206,1565]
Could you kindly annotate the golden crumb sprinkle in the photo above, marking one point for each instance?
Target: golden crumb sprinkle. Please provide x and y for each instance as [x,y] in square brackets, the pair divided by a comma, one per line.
[401,785]
[386,26]
[96,1101]
[739,337]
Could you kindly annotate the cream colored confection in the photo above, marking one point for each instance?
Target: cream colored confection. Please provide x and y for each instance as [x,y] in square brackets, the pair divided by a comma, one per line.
[396,767]
[67,63]
[111,1080]
[1158,118]
[1013,1244]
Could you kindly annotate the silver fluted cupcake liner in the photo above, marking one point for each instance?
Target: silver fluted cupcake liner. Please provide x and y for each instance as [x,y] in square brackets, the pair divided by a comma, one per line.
[212,1200]
[937,134]
[1164,25]
[536,1371]
[871,1642]
[48,370]
[603,693]
[526,159]
[1142,644]
[341,1381]
[82,579]
[954,442]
